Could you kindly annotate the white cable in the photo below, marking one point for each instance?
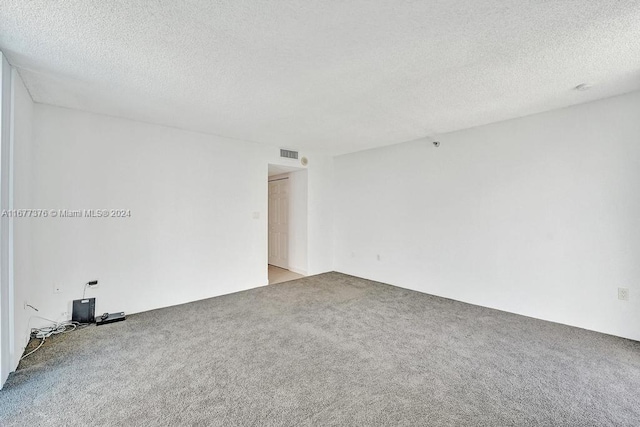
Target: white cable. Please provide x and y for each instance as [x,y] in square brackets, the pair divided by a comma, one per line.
[88,284]
[34,350]
[46,331]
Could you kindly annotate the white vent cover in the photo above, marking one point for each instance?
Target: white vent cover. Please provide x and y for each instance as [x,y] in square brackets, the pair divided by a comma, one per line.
[288,154]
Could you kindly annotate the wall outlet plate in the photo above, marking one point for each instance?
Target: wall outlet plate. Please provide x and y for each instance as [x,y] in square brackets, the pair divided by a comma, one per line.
[623,294]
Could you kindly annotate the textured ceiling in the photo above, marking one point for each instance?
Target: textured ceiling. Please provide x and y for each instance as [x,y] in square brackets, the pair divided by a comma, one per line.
[336,76]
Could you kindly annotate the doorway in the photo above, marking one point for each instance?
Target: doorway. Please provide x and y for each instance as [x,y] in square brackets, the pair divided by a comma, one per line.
[279,222]
[287,223]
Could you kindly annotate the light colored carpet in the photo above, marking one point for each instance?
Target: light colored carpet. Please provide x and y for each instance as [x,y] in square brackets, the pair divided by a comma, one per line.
[327,350]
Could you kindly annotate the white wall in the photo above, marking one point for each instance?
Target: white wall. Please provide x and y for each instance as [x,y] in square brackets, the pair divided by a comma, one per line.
[538,216]
[298,212]
[320,214]
[23,285]
[191,234]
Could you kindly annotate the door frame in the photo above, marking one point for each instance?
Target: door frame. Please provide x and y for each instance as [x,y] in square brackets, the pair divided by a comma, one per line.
[274,170]
[7,349]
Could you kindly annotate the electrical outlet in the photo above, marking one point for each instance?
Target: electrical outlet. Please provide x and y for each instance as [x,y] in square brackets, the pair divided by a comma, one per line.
[623,294]
[57,289]
[64,315]
[378,257]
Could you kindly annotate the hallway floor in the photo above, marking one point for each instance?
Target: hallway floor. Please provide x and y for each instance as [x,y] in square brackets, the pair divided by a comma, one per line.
[279,275]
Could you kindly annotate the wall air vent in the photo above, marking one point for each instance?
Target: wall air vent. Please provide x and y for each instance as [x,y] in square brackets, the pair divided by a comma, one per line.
[288,154]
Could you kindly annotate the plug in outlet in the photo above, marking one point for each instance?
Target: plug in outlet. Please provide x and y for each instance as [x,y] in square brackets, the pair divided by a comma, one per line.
[57,289]
[623,294]
[28,306]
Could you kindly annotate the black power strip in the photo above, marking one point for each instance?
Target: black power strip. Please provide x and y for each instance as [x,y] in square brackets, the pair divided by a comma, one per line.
[110,318]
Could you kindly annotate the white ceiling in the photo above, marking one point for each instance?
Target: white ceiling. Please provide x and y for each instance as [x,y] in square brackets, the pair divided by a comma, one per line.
[336,76]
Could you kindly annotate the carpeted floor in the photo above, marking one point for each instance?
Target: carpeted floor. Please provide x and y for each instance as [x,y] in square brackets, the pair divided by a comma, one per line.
[327,350]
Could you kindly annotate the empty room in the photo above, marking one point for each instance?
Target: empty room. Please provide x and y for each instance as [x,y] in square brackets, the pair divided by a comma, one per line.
[286,213]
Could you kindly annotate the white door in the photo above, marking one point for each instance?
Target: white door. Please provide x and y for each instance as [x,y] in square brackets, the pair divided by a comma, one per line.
[279,223]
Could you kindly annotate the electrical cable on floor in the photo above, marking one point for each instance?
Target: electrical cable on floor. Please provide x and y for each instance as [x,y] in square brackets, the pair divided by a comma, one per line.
[46,331]
[58,327]
[34,350]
